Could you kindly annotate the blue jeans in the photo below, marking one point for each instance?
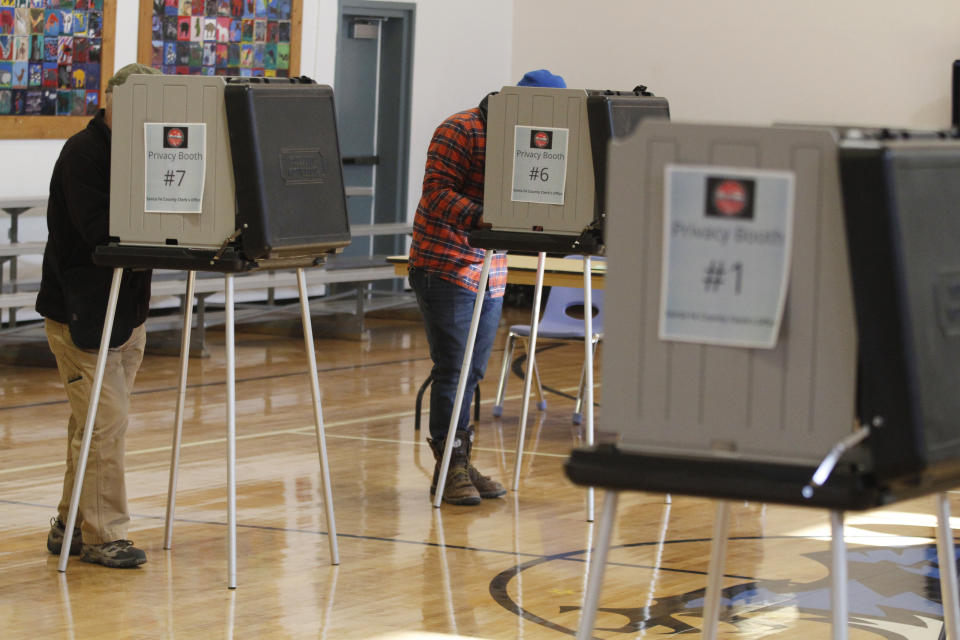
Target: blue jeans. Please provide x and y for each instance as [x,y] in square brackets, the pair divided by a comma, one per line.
[447,311]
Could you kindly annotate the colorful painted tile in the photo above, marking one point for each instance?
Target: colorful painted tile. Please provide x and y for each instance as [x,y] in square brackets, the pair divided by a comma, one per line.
[64,76]
[64,103]
[37,17]
[196,28]
[223,29]
[93,102]
[270,55]
[35,74]
[95,24]
[183,28]
[6,101]
[21,48]
[7,21]
[6,48]
[21,75]
[49,75]
[171,7]
[169,53]
[18,106]
[183,53]
[209,29]
[81,49]
[259,30]
[79,102]
[209,54]
[80,22]
[283,55]
[196,54]
[222,55]
[34,103]
[66,22]
[21,22]
[49,107]
[78,77]
[65,50]
[283,31]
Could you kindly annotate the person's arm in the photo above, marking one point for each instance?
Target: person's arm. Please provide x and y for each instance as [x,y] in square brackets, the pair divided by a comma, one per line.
[449,159]
[85,180]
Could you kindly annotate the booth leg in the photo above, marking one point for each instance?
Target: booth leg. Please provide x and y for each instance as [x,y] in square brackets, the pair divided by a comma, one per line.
[838,548]
[178,419]
[91,414]
[595,582]
[318,417]
[718,557]
[231,435]
[464,374]
[588,364]
[531,364]
[946,558]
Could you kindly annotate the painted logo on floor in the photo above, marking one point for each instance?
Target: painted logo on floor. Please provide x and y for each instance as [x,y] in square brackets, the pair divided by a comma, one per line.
[893,592]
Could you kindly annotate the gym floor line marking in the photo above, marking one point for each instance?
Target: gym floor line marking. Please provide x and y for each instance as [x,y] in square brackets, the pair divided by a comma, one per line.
[303,430]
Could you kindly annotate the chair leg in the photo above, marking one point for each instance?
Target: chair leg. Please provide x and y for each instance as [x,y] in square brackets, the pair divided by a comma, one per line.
[423,388]
[578,407]
[476,404]
[541,401]
[504,372]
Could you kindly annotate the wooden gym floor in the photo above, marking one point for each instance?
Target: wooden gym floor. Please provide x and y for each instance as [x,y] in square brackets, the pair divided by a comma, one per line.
[510,568]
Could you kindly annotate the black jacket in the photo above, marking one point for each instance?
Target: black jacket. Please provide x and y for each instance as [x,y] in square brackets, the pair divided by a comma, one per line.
[73,290]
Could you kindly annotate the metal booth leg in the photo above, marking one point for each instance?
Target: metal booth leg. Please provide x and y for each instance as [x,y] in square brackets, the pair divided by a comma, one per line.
[946,558]
[81,469]
[318,417]
[531,363]
[718,557]
[838,548]
[464,374]
[588,363]
[231,434]
[595,581]
[181,398]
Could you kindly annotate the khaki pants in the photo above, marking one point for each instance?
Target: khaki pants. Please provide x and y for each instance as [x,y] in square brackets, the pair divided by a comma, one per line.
[103,514]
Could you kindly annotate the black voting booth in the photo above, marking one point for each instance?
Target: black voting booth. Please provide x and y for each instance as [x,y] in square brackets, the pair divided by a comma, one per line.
[571,129]
[893,206]
[226,175]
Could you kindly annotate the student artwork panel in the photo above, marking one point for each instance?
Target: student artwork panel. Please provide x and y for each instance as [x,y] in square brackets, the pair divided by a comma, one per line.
[218,37]
[50,53]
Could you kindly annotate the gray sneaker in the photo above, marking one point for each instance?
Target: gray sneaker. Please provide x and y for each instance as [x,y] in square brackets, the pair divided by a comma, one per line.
[55,538]
[116,555]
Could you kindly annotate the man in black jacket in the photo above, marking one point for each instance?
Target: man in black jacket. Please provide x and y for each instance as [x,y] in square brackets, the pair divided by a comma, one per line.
[73,300]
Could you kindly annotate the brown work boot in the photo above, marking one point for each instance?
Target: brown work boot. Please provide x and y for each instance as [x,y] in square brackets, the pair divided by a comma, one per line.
[457,489]
[486,486]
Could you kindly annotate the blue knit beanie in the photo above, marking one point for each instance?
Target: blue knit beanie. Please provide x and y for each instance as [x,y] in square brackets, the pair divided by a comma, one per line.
[541,78]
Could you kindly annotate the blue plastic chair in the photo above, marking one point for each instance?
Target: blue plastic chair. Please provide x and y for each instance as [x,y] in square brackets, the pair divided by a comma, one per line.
[556,323]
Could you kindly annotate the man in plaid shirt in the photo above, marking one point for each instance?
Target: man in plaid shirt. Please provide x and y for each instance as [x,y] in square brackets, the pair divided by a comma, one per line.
[445,274]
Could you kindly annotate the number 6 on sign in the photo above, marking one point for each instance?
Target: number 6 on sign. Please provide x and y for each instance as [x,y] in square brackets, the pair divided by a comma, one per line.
[719,223]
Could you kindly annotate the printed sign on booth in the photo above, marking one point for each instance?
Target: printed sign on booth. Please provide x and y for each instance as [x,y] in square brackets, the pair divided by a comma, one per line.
[539,164]
[727,242]
[175,166]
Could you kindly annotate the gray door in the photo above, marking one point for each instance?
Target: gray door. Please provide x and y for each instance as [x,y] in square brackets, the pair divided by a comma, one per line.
[372,84]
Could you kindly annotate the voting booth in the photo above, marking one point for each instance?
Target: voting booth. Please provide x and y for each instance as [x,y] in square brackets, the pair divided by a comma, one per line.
[224,174]
[227,175]
[783,315]
[546,158]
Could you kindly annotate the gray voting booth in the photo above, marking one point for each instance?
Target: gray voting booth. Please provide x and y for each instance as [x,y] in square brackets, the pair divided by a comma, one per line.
[224,174]
[782,310]
[227,175]
[546,164]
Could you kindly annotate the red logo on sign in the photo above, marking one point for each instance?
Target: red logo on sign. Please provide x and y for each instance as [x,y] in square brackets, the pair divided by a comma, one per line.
[175,137]
[541,139]
[730,198]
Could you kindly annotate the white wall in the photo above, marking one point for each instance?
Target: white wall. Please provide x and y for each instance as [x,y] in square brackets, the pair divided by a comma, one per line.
[460,53]
[879,62]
